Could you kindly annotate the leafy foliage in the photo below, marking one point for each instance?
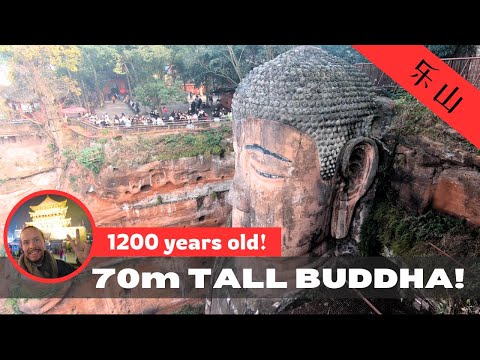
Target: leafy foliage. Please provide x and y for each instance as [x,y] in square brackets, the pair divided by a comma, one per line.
[38,76]
[38,68]
[221,65]
[97,65]
[413,118]
[148,149]
[449,51]
[346,52]
[207,143]
[12,303]
[92,158]
[74,182]
[157,92]
[191,310]
[145,61]
[391,226]
[457,306]
[69,153]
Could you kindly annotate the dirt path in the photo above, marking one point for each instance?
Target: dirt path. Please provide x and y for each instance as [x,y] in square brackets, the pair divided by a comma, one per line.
[114,109]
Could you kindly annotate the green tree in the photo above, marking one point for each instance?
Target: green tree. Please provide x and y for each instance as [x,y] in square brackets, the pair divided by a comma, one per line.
[157,92]
[39,70]
[147,61]
[449,51]
[221,65]
[125,67]
[97,65]
[92,158]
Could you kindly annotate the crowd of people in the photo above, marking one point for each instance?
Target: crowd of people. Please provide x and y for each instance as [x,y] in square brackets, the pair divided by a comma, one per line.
[134,105]
[221,113]
[195,112]
[156,118]
[144,120]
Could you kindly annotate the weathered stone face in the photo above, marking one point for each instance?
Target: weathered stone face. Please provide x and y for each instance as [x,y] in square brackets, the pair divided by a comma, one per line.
[313,91]
[277,183]
[293,116]
[301,159]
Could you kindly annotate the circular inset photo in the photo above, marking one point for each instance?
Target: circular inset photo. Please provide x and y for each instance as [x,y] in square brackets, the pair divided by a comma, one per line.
[48,236]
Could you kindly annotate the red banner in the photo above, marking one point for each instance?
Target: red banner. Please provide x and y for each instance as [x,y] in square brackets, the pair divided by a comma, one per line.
[123,242]
[432,82]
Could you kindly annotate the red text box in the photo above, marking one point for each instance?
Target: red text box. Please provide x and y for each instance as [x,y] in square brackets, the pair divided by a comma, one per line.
[126,242]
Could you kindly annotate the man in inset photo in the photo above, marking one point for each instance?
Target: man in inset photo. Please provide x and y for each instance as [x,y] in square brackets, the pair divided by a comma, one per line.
[36,260]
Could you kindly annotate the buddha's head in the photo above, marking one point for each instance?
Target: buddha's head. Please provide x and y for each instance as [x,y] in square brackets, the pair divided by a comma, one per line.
[303,158]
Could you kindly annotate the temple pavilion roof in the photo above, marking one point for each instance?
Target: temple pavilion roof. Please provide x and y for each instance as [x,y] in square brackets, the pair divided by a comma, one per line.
[49,203]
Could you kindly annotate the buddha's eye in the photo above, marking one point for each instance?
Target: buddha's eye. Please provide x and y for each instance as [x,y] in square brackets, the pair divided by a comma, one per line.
[267,175]
[267,164]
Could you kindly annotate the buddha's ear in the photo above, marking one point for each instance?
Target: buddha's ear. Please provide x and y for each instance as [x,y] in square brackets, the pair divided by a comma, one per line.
[356,168]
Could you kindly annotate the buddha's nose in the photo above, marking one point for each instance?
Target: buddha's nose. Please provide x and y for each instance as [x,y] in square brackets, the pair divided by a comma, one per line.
[237,196]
